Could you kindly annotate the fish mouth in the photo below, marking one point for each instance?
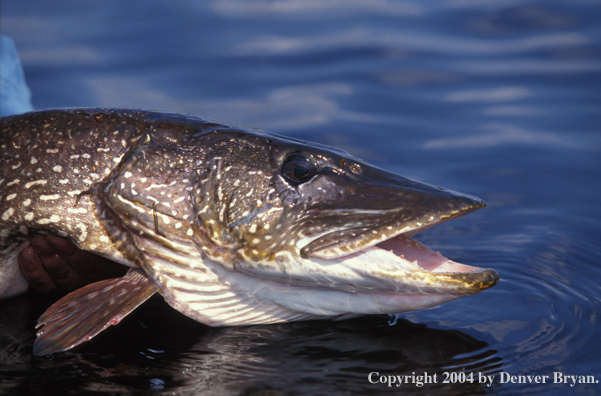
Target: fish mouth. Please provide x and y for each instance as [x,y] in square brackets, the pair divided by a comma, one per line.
[440,273]
[389,261]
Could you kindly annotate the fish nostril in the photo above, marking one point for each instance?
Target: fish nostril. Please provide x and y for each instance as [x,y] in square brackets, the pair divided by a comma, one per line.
[356,169]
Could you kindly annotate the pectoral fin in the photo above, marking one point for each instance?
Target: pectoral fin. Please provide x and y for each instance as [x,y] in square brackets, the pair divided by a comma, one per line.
[82,314]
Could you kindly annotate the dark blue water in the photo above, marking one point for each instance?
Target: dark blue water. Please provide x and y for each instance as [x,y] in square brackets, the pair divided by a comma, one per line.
[499,99]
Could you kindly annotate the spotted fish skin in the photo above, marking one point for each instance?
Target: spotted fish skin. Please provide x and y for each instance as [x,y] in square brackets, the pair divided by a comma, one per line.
[52,160]
[232,225]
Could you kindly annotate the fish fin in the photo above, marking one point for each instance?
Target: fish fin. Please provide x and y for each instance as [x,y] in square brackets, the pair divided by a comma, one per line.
[85,312]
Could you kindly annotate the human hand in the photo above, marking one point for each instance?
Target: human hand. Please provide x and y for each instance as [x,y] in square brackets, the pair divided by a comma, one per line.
[51,262]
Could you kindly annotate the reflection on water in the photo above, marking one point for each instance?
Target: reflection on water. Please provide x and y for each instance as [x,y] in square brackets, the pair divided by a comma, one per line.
[497,99]
[318,357]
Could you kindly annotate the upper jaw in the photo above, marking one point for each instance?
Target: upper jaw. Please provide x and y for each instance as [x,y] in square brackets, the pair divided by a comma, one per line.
[375,226]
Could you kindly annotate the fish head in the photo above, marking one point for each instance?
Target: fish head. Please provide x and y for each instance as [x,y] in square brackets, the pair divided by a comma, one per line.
[318,232]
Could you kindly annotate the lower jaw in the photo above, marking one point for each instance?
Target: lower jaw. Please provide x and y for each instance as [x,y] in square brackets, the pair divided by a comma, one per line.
[412,250]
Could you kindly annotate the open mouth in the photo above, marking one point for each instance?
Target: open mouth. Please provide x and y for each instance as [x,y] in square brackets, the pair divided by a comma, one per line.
[384,257]
[462,278]
[398,265]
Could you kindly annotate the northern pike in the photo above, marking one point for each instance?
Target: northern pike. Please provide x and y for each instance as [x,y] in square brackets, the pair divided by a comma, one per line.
[231,225]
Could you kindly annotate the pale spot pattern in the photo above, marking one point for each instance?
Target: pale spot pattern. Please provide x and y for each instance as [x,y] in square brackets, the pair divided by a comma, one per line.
[6,215]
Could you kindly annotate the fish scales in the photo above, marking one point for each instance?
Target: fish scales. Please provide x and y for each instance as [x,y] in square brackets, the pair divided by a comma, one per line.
[231,225]
[50,159]
[47,160]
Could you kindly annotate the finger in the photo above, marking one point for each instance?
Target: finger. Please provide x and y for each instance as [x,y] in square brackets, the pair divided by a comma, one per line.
[90,267]
[62,245]
[61,272]
[41,246]
[33,270]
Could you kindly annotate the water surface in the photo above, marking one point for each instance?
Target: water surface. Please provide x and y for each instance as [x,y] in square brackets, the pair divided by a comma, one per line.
[496,99]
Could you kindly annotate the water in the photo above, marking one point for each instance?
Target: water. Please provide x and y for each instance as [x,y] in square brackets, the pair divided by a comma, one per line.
[499,99]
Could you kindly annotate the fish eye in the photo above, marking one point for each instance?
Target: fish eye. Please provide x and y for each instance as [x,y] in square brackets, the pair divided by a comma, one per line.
[298,168]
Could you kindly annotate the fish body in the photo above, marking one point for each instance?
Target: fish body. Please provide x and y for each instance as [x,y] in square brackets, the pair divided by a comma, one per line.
[48,160]
[231,225]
